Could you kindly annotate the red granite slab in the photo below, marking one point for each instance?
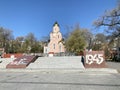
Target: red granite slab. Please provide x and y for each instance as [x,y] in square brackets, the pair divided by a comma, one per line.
[16,55]
[94,59]
[21,62]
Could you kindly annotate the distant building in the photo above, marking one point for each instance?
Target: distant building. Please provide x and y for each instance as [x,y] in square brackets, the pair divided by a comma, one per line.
[55,45]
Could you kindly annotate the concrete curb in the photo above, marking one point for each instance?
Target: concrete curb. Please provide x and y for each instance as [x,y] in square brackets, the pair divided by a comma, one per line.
[100,70]
[64,70]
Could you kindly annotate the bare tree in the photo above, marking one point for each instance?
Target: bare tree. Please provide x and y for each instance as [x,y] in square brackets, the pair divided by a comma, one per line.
[111,20]
[88,36]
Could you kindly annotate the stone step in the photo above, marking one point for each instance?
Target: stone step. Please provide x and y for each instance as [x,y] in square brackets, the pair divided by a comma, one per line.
[57,62]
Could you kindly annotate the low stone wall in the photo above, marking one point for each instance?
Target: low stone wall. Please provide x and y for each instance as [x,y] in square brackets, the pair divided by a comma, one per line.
[14,55]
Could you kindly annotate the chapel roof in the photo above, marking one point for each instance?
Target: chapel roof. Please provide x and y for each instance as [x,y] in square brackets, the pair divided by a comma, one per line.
[56,23]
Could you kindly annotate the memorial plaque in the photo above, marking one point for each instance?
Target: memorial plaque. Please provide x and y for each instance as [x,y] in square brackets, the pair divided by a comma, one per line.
[94,59]
[21,62]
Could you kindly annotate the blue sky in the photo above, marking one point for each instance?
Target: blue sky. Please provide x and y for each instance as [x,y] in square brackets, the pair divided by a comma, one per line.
[38,16]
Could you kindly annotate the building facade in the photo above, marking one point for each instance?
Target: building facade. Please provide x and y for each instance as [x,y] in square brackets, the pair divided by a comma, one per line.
[55,45]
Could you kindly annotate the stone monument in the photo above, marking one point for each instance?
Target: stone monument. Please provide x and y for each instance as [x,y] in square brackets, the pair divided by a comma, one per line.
[94,59]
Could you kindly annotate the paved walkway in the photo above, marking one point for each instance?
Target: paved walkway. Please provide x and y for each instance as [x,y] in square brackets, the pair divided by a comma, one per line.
[113,65]
[58,81]
[4,62]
